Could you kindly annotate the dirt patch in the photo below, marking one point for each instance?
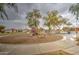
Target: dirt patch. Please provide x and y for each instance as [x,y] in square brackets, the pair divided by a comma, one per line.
[27,39]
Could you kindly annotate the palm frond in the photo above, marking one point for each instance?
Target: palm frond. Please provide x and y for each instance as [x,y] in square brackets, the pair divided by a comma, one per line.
[12,5]
[74,9]
[3,11]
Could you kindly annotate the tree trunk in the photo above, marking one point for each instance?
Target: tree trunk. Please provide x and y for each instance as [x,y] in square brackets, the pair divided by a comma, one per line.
[49,28]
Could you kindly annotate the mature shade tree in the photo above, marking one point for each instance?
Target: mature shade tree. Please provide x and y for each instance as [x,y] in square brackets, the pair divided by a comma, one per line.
[65,21]
[33,18]
[3,13]
[53,19]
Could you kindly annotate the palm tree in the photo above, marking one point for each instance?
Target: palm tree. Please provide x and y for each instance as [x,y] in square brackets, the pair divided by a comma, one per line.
[75,10]
[33,18]
[3,13]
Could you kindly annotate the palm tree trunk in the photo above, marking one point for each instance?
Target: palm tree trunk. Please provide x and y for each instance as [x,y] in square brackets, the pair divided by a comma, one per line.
[76,22]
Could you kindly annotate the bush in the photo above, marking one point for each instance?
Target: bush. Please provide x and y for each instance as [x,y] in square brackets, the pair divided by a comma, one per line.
[2,28]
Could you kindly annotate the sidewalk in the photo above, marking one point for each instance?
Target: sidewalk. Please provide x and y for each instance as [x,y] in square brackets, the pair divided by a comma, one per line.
[29,49]
[65,45]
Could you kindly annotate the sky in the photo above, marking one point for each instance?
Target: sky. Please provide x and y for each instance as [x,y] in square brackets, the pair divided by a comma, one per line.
[18,20]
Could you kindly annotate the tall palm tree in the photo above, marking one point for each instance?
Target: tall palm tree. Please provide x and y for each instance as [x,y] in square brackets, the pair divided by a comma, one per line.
[75,10]
[3,13]
[33,18]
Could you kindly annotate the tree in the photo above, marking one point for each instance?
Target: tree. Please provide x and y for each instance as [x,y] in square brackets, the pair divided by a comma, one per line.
[65,21]
[75,10]
[3,13]
[33,18]
[2,28]
[53,19]
[50,18]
